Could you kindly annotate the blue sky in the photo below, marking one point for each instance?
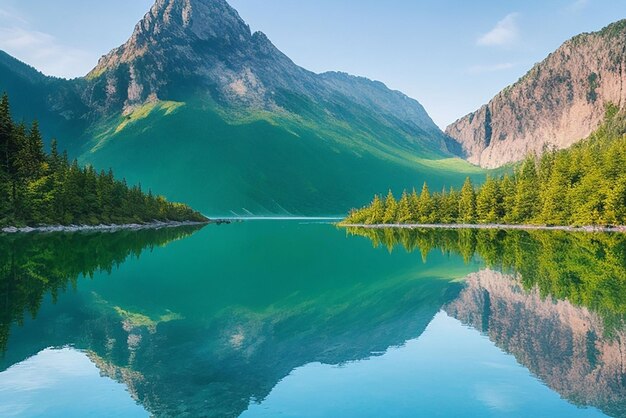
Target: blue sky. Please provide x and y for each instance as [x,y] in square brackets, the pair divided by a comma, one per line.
[451,55]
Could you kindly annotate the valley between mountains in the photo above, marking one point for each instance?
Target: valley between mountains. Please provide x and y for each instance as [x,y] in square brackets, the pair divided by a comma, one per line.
[196,107]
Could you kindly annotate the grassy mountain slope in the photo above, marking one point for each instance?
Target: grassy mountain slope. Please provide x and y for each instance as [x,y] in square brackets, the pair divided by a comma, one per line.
[264,163]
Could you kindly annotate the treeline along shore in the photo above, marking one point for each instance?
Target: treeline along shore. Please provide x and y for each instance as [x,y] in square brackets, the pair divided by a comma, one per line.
[39,189]
[583,186]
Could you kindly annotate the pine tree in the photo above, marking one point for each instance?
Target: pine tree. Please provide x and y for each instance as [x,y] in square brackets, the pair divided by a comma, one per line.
[488,202]
[377,211]
[526,193]
[404,214]
[6,136]
[426,206]
[507,191]
[453,205]
[7,139]
[391,209]
[467,203]
[36,151]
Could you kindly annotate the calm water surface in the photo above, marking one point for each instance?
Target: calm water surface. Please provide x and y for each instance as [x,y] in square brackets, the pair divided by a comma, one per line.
[301,319]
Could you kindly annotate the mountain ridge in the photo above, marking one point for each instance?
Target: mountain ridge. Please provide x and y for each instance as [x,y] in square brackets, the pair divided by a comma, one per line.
[559,102]
[200,109]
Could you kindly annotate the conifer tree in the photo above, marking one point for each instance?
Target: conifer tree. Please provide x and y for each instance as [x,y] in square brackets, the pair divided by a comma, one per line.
[404,215]
[467,203]
[507,191]
[426,206]
[526,193]
[377,211]
[35,151]
[489,202]
[391,209]
[453,205]
[7,139]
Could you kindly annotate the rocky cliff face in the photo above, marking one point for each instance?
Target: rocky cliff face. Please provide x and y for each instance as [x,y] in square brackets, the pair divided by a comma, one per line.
[557,103]
[565,346]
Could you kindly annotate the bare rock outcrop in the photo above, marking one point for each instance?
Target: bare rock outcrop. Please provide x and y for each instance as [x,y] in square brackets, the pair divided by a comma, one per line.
[557,103]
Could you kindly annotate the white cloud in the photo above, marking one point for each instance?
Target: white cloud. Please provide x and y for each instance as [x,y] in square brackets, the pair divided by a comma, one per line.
[505,33]
[491,68]
[41,50]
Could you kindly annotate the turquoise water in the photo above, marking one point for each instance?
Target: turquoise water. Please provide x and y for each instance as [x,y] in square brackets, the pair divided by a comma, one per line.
[302,319]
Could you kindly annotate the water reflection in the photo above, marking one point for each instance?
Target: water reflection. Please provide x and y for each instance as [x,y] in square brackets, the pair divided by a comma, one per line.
[236,322]
[217,323]
[587,270]
[566,346]
[32,266]
[51,375]
[555,300]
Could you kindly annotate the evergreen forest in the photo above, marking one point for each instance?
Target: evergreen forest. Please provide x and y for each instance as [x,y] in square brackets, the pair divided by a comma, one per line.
[584,185]
[41,188]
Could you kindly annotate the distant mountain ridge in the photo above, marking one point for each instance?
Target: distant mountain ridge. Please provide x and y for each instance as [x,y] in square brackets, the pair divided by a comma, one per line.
[557,103]
[201,109]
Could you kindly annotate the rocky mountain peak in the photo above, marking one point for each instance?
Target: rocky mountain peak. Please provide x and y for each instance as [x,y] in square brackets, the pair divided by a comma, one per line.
[179,24]
[180,45]
[201,49]
[204,19]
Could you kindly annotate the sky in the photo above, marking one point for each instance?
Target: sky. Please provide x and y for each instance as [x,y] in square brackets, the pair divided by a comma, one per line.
[451,55]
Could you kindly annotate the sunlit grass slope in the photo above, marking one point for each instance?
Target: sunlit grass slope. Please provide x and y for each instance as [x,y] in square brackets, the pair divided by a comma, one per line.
[306,162]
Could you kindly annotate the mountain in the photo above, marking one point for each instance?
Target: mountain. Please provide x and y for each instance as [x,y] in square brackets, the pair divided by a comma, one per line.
[557,103]
[197,107]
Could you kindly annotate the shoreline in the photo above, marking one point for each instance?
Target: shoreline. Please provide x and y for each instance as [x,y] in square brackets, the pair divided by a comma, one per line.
[103,227]
[490,226]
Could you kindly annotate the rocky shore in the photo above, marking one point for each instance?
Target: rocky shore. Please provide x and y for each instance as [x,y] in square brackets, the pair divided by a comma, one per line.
[102,228]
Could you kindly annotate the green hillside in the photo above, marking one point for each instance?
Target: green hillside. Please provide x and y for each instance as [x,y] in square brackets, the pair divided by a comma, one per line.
[263,164]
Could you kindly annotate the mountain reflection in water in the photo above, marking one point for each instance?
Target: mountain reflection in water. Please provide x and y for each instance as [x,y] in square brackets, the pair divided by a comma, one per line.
[212,324]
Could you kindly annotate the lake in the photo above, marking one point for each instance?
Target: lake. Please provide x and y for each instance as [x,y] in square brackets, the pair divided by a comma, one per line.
[303,319]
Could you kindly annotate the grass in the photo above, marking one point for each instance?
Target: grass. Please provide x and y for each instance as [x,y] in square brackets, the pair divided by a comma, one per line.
[142,112]
[225,163]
